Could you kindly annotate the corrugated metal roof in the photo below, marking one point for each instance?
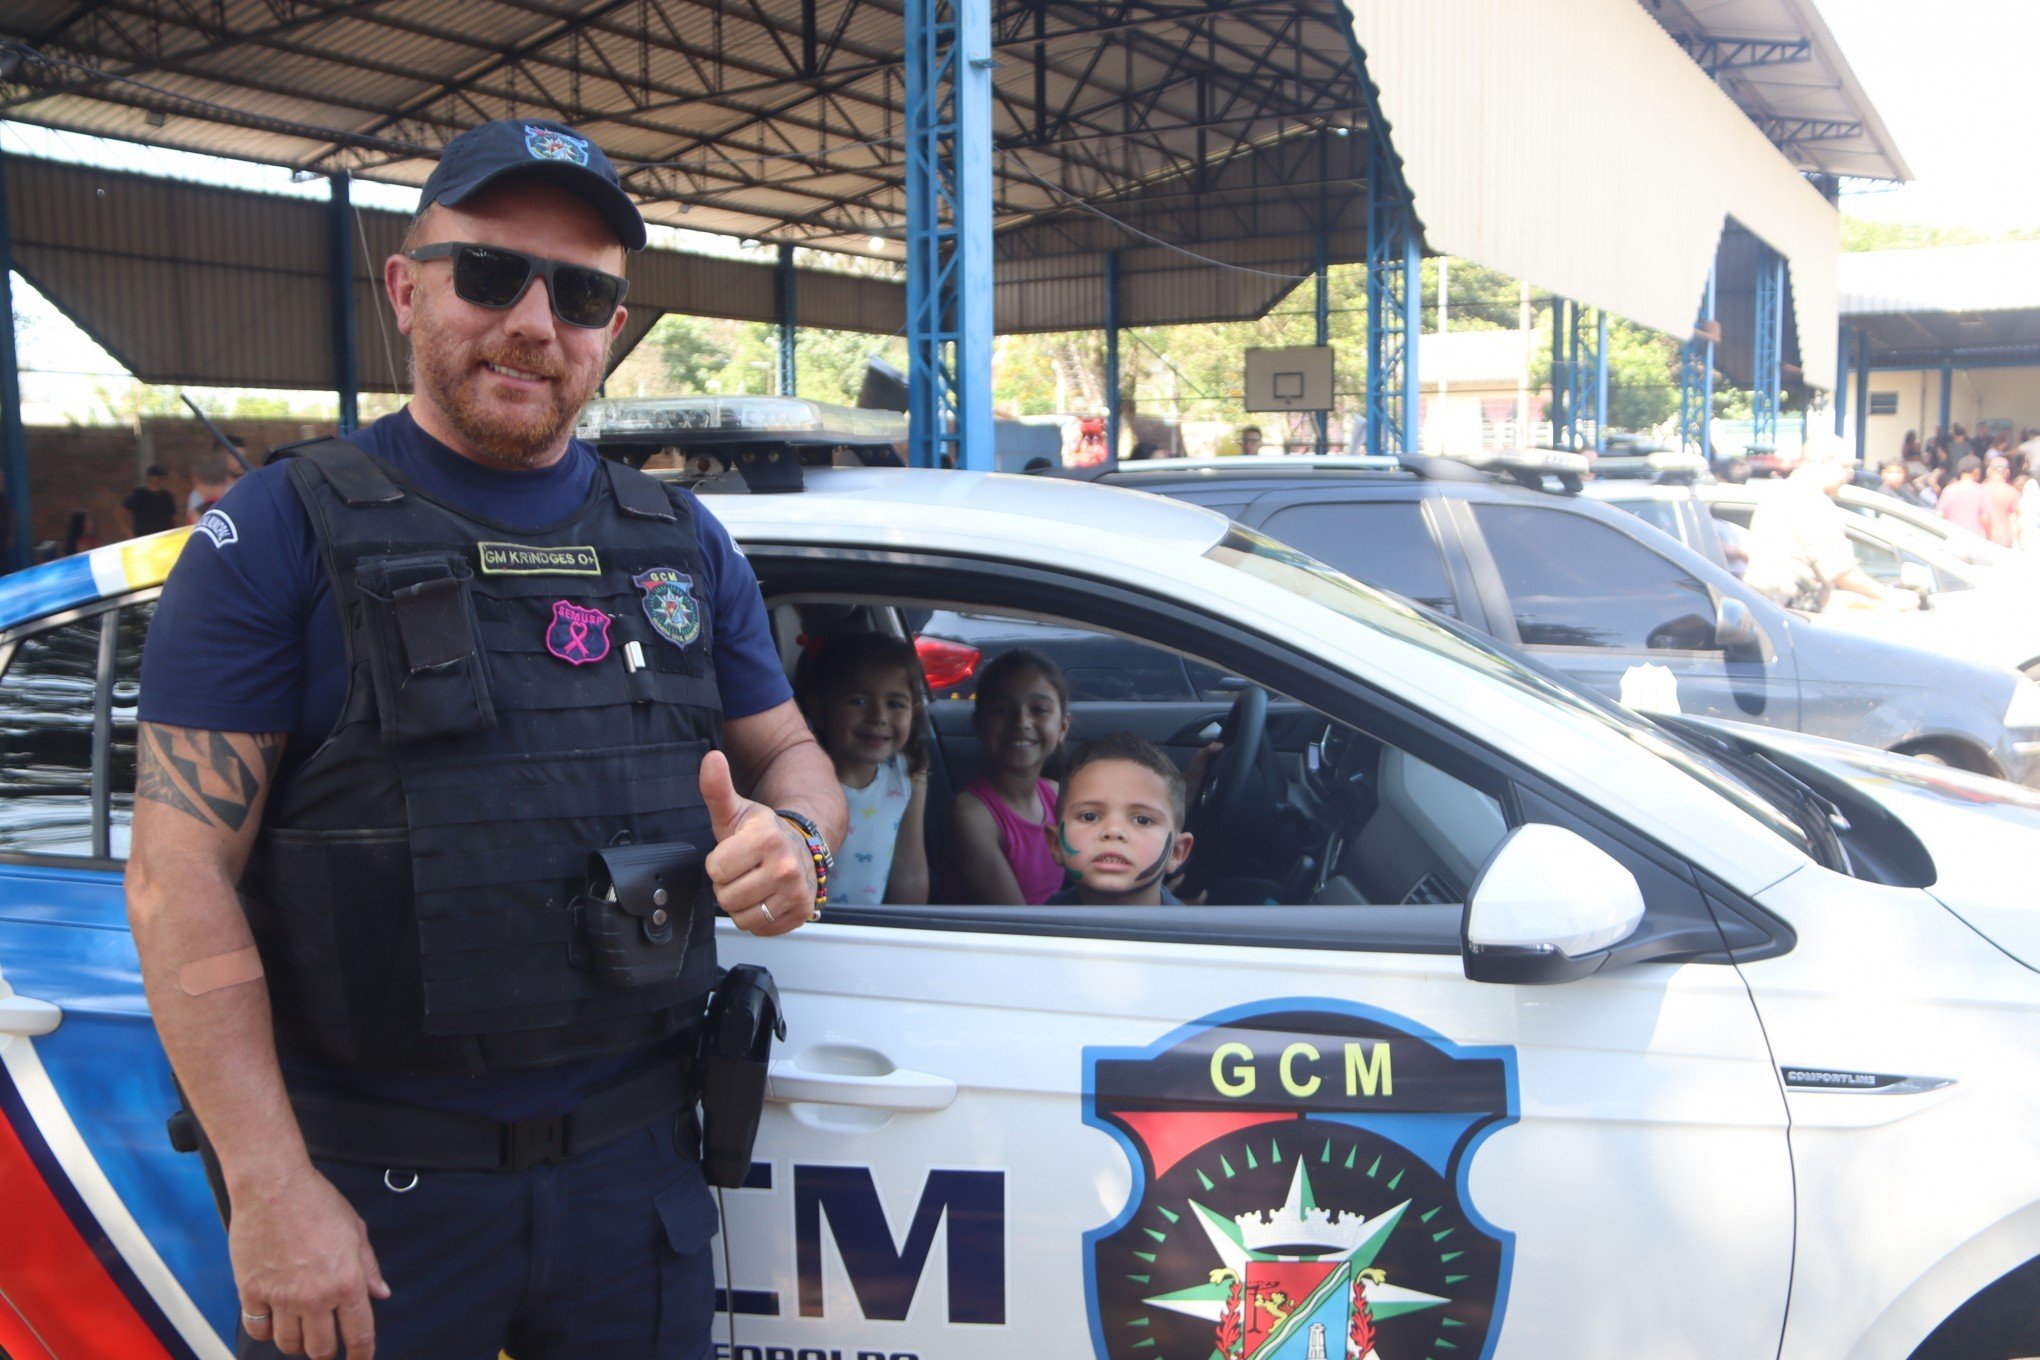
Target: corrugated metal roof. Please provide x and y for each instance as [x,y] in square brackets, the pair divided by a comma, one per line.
[1229,129]
[1612,190]
[1780,63]
[1995,277]
[775,119]
[194,283]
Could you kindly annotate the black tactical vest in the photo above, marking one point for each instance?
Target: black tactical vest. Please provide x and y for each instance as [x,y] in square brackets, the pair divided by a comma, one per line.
[515,701]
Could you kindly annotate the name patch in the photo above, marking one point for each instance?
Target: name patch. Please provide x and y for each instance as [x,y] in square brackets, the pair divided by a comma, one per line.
[521,559]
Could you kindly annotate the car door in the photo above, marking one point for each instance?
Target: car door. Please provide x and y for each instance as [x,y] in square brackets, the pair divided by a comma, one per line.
[111,1244]
[1595,602]
[1007,1132]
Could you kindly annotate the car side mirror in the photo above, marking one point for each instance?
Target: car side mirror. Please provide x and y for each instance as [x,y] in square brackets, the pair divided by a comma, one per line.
[1736,630]
[1549,906]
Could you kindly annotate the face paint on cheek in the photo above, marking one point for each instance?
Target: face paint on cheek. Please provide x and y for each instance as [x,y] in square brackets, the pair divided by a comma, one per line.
[1154,871]
[1064,837]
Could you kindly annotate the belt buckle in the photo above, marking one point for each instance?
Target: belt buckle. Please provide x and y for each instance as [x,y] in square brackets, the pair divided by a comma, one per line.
[530,1142]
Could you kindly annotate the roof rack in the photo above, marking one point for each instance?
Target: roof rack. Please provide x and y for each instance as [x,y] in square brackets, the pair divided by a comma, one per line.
[764,440]
[1667,466]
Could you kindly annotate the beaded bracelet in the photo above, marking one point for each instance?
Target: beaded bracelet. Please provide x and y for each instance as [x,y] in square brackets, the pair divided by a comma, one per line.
[818,852]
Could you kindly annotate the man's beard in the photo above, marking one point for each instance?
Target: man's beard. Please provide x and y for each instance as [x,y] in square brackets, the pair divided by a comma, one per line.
[520,435]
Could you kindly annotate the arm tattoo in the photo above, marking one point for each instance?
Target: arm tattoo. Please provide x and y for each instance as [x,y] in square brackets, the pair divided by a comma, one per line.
[207,776]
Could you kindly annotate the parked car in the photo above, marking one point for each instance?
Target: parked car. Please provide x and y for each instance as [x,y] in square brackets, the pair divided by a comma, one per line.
[1593,593]
[1514,1023]
[1981,613]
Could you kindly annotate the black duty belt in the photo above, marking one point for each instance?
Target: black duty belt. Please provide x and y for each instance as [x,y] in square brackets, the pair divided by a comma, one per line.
[345,1128]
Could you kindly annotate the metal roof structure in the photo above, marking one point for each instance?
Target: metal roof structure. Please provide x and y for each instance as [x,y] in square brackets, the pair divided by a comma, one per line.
[1223,128]
[1959,306]
[1781,65]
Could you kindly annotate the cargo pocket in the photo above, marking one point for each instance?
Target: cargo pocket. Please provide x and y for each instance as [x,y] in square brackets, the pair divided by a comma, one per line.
[687,1223]
[431,675]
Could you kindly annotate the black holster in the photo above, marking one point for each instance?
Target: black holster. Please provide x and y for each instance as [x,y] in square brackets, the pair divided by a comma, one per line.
[736,1050]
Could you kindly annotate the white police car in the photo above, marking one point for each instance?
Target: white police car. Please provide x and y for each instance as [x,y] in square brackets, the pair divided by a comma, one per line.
[1518,1026]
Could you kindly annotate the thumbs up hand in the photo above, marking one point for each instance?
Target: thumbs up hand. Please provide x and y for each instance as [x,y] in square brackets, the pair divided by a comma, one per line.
[763,875]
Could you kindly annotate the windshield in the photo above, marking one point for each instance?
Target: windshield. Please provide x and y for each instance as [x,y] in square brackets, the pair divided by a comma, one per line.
[1280,565]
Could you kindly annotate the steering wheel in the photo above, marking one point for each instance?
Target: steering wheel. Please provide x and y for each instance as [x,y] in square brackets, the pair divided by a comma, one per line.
[1223,818]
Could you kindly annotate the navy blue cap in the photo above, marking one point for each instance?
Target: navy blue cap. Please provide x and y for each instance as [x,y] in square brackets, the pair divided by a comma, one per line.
[525,148]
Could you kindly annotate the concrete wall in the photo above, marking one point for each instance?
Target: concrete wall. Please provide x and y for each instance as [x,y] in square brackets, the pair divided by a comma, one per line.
[1977,394]
[91,468]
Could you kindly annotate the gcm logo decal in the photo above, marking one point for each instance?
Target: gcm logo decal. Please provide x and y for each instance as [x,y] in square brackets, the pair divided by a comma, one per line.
[1299,1190]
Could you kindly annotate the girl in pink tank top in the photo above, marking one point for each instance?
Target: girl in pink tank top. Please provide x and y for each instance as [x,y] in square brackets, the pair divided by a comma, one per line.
[1001,821]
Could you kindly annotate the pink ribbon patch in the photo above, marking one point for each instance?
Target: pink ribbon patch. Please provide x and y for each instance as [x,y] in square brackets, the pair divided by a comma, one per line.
[578,635]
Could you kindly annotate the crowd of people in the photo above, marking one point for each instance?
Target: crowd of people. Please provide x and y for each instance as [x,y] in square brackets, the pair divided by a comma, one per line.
[1985,483]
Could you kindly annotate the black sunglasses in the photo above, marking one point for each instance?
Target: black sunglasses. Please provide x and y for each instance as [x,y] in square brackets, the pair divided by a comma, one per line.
[495,276]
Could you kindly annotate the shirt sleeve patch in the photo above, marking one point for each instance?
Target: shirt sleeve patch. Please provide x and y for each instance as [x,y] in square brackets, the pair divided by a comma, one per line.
[218,525]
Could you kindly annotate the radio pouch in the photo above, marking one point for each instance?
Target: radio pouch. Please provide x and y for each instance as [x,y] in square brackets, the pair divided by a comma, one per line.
[638,908]
[736,1050]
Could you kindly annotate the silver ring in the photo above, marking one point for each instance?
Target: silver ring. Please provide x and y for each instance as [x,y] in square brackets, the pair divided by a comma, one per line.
[254,1317]
[396,1189]
[767,910]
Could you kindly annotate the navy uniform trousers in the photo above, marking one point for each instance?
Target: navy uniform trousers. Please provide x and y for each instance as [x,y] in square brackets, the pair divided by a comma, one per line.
[605,1256]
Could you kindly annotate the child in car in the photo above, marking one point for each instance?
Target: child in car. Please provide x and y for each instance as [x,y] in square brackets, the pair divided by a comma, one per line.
[1120,830]
[1002,822]
[862,694]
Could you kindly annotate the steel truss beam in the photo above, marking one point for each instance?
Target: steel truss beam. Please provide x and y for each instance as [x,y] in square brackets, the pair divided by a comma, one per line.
[1800,131]
[949,232]
[1696,379]
[1767,370]
[1718,54]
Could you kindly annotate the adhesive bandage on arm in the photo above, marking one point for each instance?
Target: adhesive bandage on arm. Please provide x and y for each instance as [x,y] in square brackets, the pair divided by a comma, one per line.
[221,970]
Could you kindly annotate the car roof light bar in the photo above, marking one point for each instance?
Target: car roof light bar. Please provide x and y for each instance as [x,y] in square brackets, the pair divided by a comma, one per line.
[765,440]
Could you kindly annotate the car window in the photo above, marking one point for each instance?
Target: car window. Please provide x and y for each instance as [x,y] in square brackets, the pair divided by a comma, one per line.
[1100,666]
[1661,515]
[131,626]
[1575,582]
[1875,558]
[1384,543]
[47,697]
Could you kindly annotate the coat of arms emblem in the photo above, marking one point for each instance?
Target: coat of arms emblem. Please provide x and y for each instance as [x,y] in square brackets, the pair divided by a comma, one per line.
[670,604]
[1298,1191]
[550,144]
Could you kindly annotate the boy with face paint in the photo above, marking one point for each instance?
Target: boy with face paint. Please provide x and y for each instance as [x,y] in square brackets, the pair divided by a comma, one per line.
[1119,825]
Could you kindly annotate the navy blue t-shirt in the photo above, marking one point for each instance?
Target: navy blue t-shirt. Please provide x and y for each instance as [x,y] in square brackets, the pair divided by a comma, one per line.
[246,639]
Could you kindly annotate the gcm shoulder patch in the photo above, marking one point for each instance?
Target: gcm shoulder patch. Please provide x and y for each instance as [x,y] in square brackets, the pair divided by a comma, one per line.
[1299,1190]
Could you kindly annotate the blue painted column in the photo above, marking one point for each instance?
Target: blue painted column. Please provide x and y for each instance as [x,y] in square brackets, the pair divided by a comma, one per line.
[1767,371]
[1561,374]
[1841,379]
[1112,412]
[789,324]
[1862,393]
[13,438]
[948,61]
[1395,297]
[1413,315]
[340,242]
[1321,268]
[1600,379]
[1696,379]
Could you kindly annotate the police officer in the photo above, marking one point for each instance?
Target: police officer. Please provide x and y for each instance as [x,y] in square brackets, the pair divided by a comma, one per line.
[398,688]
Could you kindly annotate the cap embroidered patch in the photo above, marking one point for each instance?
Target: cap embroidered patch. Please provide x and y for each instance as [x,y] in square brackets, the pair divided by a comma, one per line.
[670,604]
[519,559]
[550,144]
[578,634]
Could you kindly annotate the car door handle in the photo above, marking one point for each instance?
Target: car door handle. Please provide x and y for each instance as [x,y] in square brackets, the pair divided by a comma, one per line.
[27,1017]
[895,1090]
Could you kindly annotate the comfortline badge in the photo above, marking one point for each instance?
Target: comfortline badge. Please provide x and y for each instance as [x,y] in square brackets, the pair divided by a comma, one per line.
[1298,1190]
